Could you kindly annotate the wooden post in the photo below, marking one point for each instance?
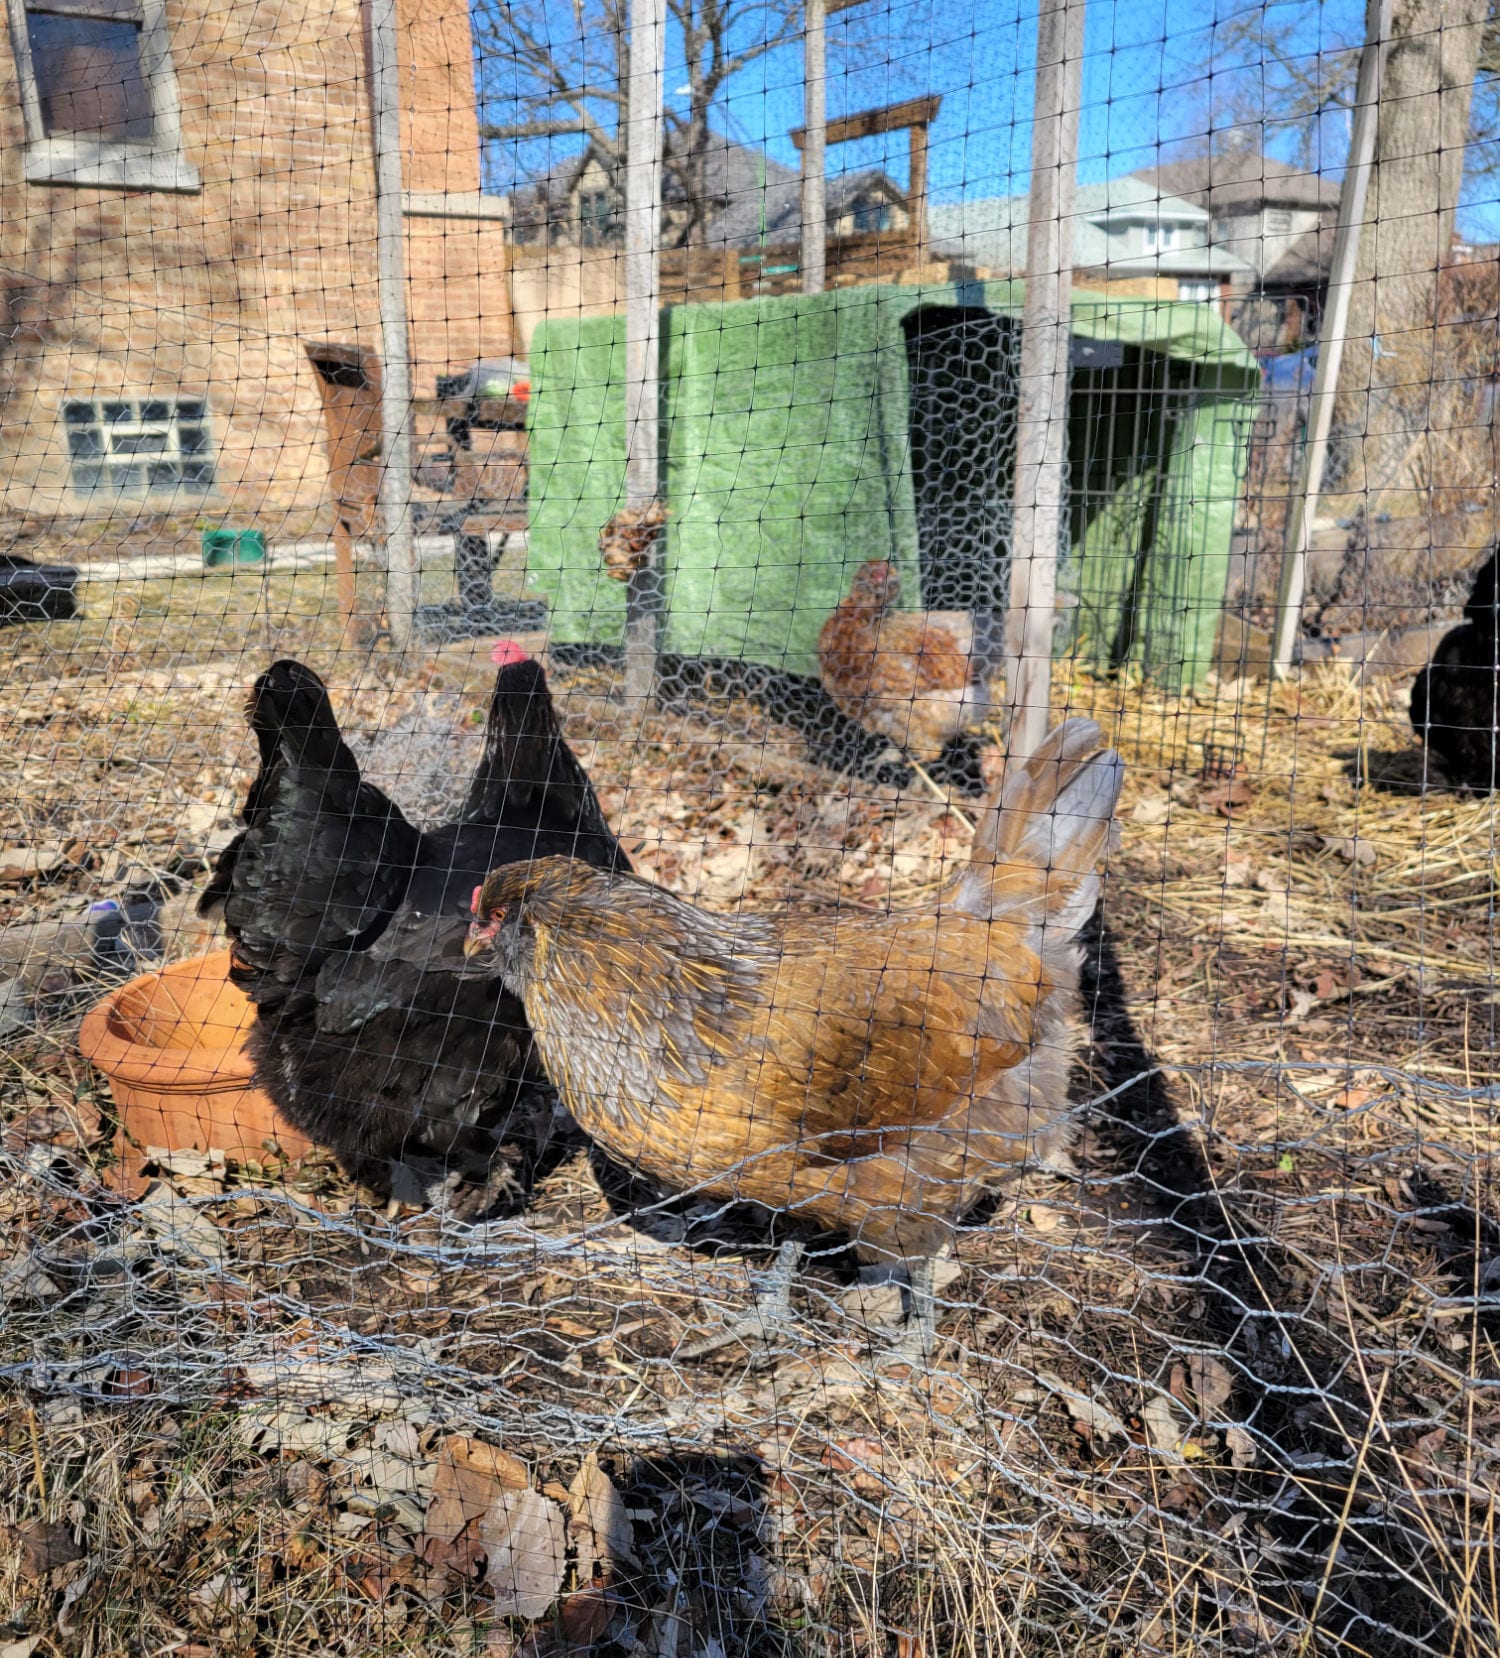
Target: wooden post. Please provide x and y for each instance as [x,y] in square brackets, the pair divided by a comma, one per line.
[643,140]
[916,193]
[814,149]
[1042,414]
[401,574]
[1331,336]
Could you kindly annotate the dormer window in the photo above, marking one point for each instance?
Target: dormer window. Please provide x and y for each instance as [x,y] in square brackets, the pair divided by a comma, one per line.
[596,218]
[98,94]
[1161,238]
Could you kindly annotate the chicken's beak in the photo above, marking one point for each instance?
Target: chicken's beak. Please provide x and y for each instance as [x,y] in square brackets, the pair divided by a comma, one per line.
[481,936]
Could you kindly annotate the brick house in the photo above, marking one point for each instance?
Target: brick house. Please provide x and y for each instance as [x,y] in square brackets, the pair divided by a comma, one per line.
[186,205]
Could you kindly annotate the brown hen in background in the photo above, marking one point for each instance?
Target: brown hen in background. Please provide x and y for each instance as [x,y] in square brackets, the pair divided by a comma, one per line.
[871,1073]
[919,678]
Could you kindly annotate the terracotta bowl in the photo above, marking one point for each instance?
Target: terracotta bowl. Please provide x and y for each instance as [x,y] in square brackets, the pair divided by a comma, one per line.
[173,1047]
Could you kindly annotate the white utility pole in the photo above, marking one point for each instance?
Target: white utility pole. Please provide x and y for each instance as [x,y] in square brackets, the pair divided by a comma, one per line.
[1331,335]
[401,574]
[814,147]
[643,162]
[1042,415]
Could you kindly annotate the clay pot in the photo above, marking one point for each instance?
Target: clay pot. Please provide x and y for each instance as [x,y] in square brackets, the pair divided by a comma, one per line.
[172,1044]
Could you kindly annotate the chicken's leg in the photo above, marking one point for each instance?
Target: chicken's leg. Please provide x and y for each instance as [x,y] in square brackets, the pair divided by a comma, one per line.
[920,1336]
[766,1312]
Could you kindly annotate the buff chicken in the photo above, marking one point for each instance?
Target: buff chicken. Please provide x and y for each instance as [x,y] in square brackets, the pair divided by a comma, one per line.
[920,679]
[870,1074]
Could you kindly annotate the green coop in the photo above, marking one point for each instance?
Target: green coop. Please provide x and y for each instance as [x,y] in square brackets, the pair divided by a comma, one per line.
[805,434]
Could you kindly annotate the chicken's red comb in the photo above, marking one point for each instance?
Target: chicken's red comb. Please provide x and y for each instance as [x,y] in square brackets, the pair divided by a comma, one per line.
[507,652]
[474,901]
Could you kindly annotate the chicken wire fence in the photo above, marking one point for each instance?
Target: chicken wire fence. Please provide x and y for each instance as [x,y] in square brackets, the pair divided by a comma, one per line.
[379,1334]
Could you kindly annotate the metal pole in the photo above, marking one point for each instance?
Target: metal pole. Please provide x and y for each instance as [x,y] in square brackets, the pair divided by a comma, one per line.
[643,140]
[1331,336]
[1041,425]
[401,574]
[814,148]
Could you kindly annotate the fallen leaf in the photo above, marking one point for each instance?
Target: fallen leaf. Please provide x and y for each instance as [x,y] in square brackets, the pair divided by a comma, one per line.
[468,1480]
[1096,1417]
[1212,1383]
[71,1124]
[1151,808]
[599,1522]
[45,1545]
[1242,1452]
[29,863]
[1226,798]
[1162,1427]
[525,1542]
[71,1596]
[1350,848]
[587,1614]
[21,1279]
[21,1649]
[291,1431]
[188,1162]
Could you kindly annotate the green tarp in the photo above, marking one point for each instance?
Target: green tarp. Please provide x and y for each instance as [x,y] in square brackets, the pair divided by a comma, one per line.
[785,436]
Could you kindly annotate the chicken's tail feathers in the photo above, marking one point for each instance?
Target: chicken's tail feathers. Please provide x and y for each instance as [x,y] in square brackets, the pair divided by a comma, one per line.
[523,748]
[526,765]
[1038,844]
[292,716]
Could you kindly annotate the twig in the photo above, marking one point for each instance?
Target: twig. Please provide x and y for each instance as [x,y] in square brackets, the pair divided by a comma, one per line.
[939,793]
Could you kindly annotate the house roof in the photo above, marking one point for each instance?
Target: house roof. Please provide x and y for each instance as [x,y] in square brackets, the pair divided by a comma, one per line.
[744,218]
[992,231]
[1306,263]
[1241,178]
[750,191]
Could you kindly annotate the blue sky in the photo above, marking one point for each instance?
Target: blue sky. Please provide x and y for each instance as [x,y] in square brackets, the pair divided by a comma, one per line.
[1153,71]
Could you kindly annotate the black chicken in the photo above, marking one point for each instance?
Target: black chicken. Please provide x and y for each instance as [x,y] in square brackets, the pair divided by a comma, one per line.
[339,910]
[1455,703]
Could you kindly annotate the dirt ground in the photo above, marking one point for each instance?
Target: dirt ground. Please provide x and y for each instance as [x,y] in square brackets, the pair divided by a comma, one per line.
[1231,1388]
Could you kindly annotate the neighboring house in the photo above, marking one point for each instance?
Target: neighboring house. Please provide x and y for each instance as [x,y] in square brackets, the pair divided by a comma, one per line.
[1123,234]
[760,204]
[1278,219]
[186,205]
[1259,208]
[751,199]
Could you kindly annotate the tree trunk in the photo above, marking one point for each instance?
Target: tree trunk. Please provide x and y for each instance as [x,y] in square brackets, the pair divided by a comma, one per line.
[1393,362]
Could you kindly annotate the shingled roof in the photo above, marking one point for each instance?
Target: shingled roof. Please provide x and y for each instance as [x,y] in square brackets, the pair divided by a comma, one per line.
[1241,178]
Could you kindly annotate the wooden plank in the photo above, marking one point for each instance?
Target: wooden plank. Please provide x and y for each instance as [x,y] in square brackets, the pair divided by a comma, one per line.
[870,122]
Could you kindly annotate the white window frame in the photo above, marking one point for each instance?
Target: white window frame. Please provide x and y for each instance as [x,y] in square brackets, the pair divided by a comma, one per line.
[1162,237]
[1209,296]
[167,427]
[101,163]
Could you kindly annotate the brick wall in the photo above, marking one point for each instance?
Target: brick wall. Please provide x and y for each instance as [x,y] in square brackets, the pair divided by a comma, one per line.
[215,295]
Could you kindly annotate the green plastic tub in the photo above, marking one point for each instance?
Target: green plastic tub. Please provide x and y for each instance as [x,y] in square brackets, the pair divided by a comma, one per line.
[225,549]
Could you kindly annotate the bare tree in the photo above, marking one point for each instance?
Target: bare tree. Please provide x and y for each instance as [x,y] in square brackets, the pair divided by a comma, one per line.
[566,85]
[1439,108]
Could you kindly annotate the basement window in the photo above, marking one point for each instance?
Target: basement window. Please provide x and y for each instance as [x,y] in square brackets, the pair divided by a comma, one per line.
[98,94]
[139,446]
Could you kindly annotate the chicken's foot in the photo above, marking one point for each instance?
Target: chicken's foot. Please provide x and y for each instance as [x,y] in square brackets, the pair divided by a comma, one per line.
[757,1324]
